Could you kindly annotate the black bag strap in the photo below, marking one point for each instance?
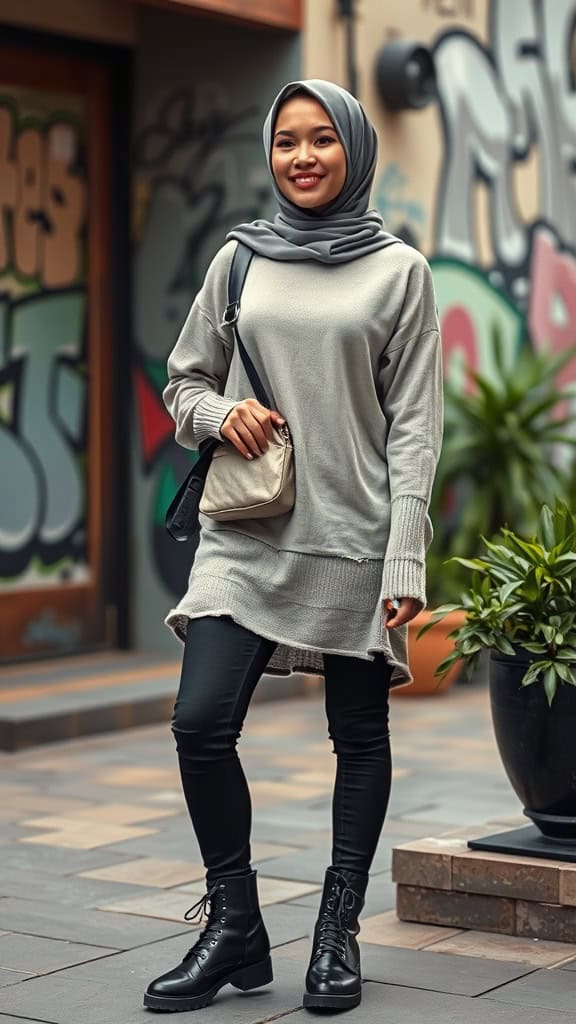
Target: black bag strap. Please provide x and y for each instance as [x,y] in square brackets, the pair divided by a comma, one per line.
[238,269]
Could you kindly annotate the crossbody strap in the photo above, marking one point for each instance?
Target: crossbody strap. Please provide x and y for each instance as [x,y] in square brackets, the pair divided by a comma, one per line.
[236,278]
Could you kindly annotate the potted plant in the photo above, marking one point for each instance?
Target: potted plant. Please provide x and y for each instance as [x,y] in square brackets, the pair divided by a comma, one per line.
[521,607]
[497,466]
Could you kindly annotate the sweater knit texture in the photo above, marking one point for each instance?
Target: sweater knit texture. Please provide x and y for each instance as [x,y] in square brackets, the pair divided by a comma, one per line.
[350,355]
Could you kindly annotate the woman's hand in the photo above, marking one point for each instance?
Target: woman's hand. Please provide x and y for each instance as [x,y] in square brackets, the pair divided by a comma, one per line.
[248,426]
[402,611]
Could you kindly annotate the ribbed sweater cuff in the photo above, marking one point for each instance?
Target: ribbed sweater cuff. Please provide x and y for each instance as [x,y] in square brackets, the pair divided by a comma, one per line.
[209,414]
[408,528]
[404,565]
[404,577]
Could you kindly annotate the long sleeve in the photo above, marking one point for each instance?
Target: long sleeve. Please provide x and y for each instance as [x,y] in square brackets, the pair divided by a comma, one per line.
[410,380]
[199,362]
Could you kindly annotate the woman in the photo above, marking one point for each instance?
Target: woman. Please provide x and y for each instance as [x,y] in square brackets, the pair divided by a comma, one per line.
[339,317]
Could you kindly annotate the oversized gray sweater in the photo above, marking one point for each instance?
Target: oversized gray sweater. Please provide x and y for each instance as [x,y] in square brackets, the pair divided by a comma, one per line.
[350,355]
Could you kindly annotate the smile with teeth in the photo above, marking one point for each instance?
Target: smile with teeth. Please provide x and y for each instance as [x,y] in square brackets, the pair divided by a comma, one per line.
[306,180]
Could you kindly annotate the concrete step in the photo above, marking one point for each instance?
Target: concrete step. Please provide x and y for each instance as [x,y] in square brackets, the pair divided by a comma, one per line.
[78,696]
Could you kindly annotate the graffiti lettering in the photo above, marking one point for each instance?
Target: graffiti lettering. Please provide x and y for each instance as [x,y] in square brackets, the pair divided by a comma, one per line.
[509,123]
[501,105]
[553,297]
[42,201]
[43,373]
[42,429]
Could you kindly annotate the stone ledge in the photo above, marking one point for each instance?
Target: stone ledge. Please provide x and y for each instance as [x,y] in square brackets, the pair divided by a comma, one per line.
[441,882]
[38,706]
[456,909]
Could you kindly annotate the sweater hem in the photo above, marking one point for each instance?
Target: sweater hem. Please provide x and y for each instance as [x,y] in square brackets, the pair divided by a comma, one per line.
[212,595]
[174,617]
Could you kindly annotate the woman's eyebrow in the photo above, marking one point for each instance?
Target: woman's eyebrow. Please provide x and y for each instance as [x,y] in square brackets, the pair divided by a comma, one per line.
[317,128]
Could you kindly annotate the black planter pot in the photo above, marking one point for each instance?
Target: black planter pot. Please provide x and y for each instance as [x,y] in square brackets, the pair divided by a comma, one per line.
[537,744]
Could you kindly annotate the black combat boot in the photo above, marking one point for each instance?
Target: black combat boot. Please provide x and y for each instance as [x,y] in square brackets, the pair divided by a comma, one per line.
[333,980]
[232,948]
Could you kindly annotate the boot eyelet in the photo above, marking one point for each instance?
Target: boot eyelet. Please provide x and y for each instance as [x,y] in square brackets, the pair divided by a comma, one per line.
[221,886]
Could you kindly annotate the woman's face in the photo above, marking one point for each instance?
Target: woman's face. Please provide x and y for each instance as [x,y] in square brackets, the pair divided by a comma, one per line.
[308,159]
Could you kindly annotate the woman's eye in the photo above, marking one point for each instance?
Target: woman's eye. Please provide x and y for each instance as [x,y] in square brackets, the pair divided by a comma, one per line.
[325,140]
[283,143]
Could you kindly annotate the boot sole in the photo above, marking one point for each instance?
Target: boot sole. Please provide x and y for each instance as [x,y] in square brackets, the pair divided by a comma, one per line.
[312,1002]
[245,978]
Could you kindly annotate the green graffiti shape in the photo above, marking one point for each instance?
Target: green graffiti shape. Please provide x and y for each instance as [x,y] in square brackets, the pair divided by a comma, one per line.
[460,285]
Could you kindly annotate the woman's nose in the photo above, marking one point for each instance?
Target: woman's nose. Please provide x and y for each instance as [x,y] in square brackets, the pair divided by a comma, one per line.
[305,156]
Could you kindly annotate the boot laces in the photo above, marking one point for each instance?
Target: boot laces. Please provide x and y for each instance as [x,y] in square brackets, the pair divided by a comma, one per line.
[209,935]
[332,926]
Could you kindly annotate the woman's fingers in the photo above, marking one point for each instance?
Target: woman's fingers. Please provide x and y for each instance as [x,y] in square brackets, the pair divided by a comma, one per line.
[402,611]
[249,427]
[253,431]
[235,438]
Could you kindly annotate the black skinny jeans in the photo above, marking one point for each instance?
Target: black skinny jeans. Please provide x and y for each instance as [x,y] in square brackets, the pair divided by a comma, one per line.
[221,667]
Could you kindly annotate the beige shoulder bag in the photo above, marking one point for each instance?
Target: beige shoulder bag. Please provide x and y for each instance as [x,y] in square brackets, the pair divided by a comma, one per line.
[235,487]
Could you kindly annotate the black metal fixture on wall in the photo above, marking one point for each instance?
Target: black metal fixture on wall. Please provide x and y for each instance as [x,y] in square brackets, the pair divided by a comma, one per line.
[348,15]
[405,75]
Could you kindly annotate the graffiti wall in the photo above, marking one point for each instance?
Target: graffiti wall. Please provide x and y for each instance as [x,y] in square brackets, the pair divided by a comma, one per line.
[198,170]
[508,112]
[43,373]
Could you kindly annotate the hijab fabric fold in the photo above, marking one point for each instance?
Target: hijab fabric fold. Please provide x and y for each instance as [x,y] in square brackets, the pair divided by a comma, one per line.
[346,229]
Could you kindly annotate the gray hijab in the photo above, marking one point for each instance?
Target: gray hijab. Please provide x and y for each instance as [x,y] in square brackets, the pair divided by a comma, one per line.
[347,229]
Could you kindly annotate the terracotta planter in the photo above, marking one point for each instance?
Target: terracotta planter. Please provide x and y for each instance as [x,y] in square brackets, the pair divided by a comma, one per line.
[426,653]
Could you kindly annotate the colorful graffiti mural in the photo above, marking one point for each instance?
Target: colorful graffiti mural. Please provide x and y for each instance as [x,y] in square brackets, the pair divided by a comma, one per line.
[190,161]
[509,136]
[43,372]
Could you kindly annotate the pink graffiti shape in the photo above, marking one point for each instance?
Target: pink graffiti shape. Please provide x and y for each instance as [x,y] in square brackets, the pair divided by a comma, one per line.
[156,426]
[553,299]
[458,333]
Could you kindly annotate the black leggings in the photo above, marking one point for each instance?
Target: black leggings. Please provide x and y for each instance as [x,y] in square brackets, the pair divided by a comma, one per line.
[221,667]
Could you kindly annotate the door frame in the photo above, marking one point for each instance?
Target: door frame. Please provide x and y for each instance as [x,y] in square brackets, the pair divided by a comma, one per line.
[106,71]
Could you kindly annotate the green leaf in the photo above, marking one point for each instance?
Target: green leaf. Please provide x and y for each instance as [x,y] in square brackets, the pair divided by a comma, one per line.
[547,527]
[503,645]
[444,667]
[565,673]
[509,589]
[550,684]
[533,673]
[567,654]
[472,563]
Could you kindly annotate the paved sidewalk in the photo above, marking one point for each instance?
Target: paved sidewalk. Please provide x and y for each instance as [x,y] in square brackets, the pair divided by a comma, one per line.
[98,864]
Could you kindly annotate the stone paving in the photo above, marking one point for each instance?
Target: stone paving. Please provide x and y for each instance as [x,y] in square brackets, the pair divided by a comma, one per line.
[98,865]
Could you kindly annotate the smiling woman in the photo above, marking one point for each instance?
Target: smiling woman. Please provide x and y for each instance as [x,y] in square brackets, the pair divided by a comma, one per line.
[339,317]
[308,158]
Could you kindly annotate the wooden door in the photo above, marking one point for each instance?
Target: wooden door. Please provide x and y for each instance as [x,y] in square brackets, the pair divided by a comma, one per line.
[56,494]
